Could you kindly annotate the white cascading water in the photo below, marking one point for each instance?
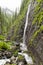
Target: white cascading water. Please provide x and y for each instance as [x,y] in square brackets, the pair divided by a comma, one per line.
[23,45]
[3,61]
[27,58]
[28,11]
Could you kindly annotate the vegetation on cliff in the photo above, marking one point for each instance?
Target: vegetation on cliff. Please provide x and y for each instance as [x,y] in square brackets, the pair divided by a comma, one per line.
[12,28]
[38,19]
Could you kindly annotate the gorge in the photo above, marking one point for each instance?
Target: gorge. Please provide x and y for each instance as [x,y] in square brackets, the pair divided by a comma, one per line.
[21,35]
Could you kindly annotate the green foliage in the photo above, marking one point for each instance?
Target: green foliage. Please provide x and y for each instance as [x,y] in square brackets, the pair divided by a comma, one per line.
[41,28]
[39,1]
[34,36]
[2,37]
[38,19]
[38,14]
[15,53]
[4,45]
[18,22]
[14,23]
[10,64]
[14,64]
[5,21]
[20,57]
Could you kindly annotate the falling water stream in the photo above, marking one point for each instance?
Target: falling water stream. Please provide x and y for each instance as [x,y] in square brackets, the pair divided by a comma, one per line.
[24,35]
[23,45]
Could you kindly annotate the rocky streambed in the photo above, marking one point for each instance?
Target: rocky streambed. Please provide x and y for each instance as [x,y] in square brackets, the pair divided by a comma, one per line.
[15,56]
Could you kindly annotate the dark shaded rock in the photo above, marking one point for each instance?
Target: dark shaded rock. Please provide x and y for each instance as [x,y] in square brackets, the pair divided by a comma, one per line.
[21,60]
[0,55]
[8,54]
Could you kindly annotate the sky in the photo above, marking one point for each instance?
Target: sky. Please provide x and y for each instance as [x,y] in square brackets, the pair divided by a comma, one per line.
[11,4]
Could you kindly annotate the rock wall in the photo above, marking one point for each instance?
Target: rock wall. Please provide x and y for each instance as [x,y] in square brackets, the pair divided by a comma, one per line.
[34,33]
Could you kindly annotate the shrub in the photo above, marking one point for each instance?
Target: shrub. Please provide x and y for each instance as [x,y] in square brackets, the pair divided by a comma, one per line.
[20,57]
[2,37]
[4,45]
[15,53]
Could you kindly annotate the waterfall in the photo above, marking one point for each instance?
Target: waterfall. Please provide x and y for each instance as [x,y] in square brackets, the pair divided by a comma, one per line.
[28,11]
[23,46]
[27,58]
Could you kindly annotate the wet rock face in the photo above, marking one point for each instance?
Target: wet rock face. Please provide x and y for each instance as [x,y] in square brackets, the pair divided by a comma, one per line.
[16,61]
[34,33]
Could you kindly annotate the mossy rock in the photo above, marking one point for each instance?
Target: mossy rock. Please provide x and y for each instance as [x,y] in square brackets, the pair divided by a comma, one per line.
[10,64]
[20,57]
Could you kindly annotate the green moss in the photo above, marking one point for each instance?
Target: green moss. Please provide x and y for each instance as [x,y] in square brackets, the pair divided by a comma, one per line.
[41,28]
[38,1]
[10,64]
[13,64]
[20,57]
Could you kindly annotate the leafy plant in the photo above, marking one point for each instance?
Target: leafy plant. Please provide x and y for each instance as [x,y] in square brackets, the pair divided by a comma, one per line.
[4,45]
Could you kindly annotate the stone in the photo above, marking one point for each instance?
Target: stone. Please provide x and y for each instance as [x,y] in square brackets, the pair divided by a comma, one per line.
[13,60]
[8,54]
